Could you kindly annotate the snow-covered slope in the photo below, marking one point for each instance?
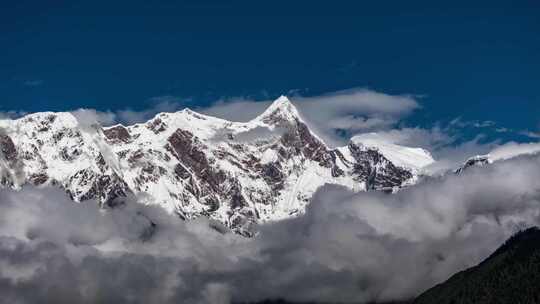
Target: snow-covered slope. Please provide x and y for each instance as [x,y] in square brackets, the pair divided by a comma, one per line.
[196,165]
[407,157]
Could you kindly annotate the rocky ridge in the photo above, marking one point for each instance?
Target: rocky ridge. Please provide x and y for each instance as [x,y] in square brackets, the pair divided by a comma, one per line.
[237,173]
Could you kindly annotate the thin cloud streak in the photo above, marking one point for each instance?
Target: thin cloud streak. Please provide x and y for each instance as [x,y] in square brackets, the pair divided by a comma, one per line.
[334,116]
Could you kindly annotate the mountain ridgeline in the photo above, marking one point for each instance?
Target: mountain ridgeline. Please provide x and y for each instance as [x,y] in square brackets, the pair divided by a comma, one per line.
[240,174]
[237,173]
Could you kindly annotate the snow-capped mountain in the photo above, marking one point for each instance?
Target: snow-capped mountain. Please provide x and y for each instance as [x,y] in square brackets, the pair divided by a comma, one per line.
[475,161]
[238,173]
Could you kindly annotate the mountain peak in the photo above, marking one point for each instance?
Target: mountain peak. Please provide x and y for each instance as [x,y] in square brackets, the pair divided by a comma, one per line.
[475,161]
[282,101]
[409,157]
[282,109]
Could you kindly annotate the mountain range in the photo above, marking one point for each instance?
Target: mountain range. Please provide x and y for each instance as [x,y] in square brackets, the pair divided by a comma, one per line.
[236,173]
[240,174]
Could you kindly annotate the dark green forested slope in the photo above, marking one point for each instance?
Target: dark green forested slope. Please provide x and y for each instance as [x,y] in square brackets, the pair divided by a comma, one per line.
[510,275]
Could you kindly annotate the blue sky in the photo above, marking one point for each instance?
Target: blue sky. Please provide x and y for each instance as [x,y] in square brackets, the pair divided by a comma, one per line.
[476,61]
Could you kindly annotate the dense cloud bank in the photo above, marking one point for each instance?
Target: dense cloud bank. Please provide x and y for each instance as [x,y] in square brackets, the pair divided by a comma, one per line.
[347,247]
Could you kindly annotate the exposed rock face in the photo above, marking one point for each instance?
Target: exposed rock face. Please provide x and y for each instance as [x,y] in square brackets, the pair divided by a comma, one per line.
[193,165]
[7,148]
[117,134]
[375,170]
[8,159]
[475,161]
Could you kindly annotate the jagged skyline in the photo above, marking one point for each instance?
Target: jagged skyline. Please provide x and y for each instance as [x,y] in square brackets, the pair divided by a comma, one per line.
[227,152]
[119,56]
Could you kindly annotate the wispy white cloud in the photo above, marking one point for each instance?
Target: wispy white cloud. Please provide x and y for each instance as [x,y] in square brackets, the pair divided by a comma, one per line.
[513,149]
[158,104]
[12,114]
[129,116]
[530,134]
[335,117]
[446,145]
[89,117]
[459,122]
[331,115]
[430,139]
[235,109]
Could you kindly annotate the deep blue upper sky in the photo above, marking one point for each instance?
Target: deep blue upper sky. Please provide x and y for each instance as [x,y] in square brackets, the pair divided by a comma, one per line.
[478,61]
